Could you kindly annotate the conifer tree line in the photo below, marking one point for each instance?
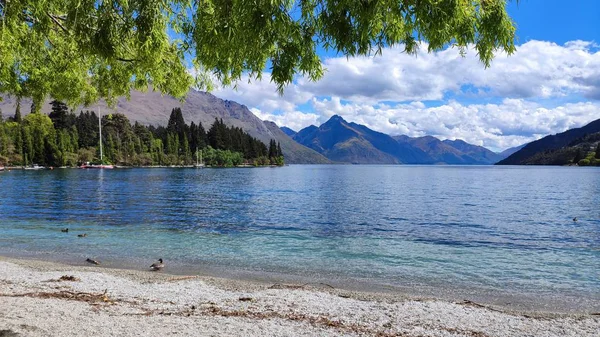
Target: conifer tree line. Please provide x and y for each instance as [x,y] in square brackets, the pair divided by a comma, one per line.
[63,138]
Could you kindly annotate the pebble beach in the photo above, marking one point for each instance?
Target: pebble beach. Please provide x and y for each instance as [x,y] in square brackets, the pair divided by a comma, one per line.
[49,299]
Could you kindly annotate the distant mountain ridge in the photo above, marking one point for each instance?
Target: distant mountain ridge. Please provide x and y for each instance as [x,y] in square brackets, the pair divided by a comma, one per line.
[341,142]
[506,153]
[153,108]
[478,153]
[348,142]
[288,131]
[558,149]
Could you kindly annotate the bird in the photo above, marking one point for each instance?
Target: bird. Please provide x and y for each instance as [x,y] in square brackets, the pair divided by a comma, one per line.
[575,219]
[157,265]
[65,230]
[82,235]
[92,261]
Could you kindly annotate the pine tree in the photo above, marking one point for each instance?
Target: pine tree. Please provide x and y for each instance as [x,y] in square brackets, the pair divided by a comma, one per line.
[249,148]
[279,153]
[60,115]
[87,129]
[193,137]
[598,151]
[185,149]
[225,135]
[272,149]
[177,124]
[202,137]
[18,117]
[216,135]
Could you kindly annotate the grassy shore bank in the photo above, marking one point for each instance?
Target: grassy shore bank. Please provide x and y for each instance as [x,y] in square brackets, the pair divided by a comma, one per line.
[48,299]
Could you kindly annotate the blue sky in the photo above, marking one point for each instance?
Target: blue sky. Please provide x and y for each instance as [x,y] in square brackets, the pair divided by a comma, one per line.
[556,20]
[550,84]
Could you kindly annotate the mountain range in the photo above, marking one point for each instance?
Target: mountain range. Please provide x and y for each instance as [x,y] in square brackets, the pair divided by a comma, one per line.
[347,142]
[334,141]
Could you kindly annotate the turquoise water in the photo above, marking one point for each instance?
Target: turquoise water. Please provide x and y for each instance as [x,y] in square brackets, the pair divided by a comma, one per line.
[500,233]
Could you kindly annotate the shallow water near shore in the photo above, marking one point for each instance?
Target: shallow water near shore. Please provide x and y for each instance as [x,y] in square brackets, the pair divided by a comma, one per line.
[498,234]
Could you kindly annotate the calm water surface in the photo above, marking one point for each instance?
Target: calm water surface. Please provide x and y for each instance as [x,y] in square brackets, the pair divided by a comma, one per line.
[502,234]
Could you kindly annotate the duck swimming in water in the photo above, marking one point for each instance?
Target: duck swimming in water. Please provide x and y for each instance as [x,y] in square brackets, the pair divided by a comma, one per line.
[575,219]
[157,265]
[65,230]
[82,235]
[92,261]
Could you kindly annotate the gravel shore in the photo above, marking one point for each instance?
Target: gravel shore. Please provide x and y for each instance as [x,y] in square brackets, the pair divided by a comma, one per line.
[47,299]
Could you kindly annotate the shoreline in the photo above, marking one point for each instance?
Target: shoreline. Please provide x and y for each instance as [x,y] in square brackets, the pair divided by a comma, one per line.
[105,302]
[121,167]
[504,301]
[260,280]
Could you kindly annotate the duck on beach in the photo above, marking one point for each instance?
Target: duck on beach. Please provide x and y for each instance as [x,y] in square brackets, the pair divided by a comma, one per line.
[157,265]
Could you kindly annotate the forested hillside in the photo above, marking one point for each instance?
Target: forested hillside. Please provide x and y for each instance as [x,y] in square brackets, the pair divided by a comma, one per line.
[63,138]
[584,151]
[564,148]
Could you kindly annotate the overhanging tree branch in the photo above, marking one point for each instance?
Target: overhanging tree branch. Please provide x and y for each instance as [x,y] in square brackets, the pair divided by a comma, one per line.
[55,20]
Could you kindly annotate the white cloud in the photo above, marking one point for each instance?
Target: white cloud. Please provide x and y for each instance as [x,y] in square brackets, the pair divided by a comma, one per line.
[367,90]
[294,120]
[537,69]
[262,94]
[496,126]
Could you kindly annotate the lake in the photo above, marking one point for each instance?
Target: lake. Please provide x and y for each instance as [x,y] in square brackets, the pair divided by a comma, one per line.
[502,235]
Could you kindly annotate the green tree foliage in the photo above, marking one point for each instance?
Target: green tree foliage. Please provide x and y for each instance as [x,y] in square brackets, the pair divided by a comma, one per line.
[85,155]
[118,138]
[4,145]
[64,139]
[578,156]
[275,154]
[198,137]
[79,51]
[222,137]
[272,149]
[598,151]
[17,118]
[176,124]
[584,162]
[60,116]
[87,128]
[223,158]
[10,142]
[40,135]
